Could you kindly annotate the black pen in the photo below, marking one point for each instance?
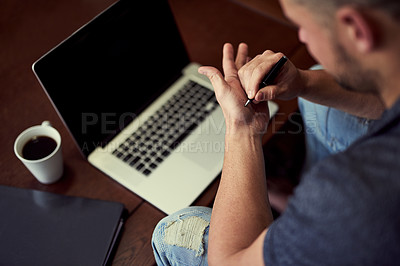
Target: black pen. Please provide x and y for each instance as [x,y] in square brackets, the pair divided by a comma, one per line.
[271,75]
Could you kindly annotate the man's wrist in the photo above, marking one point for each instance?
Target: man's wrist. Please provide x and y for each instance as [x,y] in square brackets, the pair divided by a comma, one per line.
[243,143]
[304,81]
[239,128]
[237,132]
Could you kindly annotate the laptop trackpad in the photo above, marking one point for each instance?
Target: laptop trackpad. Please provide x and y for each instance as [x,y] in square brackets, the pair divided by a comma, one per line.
[207,146]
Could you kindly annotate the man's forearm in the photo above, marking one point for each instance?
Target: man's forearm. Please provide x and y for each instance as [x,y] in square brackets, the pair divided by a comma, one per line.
[321,88]
[241,210]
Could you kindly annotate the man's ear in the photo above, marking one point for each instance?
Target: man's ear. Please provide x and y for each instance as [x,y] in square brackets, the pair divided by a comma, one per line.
[355,29]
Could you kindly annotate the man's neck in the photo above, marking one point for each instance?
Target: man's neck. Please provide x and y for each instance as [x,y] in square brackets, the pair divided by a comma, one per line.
[390,78]
[389,62]
[390,95]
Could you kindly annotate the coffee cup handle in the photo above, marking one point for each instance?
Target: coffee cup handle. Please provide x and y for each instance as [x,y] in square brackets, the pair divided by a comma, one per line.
[46,123]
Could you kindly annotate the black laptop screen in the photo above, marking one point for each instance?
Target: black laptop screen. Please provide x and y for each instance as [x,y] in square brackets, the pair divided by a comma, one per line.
[105,74]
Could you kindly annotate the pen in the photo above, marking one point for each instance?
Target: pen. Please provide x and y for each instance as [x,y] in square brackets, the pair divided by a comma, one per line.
[271,75]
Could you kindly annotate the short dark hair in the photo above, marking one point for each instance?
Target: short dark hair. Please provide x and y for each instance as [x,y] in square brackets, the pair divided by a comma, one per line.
[391,7]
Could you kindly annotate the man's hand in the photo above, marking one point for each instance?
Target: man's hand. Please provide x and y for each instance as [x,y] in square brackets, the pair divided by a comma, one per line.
[231,95]
[288,84]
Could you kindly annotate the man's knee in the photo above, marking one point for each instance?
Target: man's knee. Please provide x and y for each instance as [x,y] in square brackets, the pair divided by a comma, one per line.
[182,234]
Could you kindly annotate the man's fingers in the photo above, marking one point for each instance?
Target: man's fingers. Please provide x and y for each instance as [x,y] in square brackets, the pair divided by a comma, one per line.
[242,55]
[253,72]
[228,63]
[214,75]
[266,93]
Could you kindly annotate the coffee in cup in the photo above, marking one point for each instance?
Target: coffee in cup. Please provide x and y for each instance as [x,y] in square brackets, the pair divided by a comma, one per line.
[39,149]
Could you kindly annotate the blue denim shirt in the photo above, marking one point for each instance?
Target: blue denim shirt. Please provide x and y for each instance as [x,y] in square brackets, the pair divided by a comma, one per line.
[346,210]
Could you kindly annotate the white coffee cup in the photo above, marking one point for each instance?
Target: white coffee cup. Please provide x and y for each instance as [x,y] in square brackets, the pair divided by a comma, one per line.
[48,169]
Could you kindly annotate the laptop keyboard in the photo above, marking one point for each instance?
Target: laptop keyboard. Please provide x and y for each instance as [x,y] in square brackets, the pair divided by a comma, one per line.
[159,136]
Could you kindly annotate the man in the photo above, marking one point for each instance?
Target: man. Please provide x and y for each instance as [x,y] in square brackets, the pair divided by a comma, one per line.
[345,210]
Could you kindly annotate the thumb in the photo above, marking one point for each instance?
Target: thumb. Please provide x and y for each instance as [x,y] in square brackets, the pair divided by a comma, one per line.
[214,75]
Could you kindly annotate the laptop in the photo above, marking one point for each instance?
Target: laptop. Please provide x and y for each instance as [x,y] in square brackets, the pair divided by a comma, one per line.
[135,105]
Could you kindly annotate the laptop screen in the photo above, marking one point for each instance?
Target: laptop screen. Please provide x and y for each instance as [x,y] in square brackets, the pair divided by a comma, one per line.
[106,73]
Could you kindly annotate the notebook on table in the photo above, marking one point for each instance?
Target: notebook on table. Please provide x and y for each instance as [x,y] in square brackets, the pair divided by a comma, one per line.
[138,110]
[42,228]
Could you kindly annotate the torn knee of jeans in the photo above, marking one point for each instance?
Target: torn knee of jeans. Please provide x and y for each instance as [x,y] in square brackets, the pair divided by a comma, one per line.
[187,233]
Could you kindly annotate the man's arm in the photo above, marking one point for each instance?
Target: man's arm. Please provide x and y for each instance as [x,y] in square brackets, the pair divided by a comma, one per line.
[321,88]
[241,212]
[317,86]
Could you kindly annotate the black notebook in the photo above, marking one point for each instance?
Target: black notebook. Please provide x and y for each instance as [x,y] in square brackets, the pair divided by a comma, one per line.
[41,228]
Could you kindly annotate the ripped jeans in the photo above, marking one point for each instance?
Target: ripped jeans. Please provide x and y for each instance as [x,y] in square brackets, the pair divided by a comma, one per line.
[182,238]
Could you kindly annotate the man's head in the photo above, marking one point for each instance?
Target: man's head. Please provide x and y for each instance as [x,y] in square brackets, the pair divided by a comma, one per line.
[350,38]
[327,9]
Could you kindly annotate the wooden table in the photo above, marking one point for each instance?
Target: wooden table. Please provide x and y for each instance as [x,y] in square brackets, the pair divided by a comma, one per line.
[30,28]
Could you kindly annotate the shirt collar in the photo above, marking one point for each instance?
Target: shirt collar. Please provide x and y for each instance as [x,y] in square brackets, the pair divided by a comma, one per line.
[390,118]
